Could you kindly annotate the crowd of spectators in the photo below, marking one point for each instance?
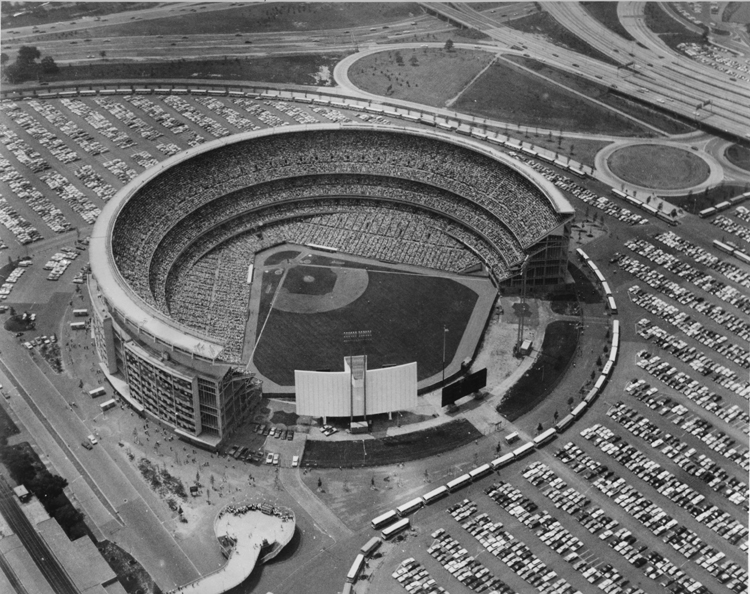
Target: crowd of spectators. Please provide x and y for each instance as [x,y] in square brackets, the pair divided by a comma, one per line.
[251,201]
[513,201]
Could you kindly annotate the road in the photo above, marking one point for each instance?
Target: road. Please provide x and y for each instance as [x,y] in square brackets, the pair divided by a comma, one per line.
[34,544]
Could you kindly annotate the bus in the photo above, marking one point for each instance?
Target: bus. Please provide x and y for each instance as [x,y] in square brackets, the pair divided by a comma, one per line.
[78,325]
[545,436]
[384,519]
[97,392]
[355,569]
[578,410]
[502,461]
[410,506]
[394,529]
[566,422]
[611,304]
[523,450]
[480,471]
[594,392]
[459,482]
[435,494]
[371,546]
[80,313]
[105,406]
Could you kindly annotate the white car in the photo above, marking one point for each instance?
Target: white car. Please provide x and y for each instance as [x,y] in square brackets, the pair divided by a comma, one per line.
[93,440]
[269,458]
[276,459]
[295,461]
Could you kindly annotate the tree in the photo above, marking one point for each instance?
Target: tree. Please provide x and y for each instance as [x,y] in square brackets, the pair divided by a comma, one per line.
[4,58]
[539,427]
[399,59]
[413,61]
[48,65]
[27,54]
[103,54]
[449,45]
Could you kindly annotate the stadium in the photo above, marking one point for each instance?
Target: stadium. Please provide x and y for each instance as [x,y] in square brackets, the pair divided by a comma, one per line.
[192,259]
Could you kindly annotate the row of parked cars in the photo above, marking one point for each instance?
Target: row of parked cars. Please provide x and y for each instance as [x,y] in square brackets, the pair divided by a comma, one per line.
[416,579]
[617,537]
[692,388]
[681,320]
[276,432]
[666,484]
[691,461]
[559,539]
[688,422]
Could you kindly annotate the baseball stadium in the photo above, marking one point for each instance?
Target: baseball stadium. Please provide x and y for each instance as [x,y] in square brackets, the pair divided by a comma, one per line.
[232,265]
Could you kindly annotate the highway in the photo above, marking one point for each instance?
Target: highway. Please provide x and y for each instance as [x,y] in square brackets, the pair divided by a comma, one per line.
[681,82]
[33,543]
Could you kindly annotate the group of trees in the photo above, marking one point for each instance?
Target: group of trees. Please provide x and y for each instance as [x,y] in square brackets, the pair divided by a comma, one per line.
[26,66]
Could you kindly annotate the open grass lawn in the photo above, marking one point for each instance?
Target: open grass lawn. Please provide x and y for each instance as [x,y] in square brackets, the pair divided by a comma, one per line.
[658,167]
[63,11]
[736,12]
[390,450]
[696,202]
[542,23]
[427,75]
[506,92]
[259,18]
[670,30]
[602,93]
[558,348]
[405,312]
[739,155]
[299,70]
[606,14]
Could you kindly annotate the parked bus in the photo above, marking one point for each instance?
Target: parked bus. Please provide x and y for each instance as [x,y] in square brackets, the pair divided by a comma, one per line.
[410,506]
[480,471]
[97,392]
[502,460]
[78,325]
[459,482]
[545,436]
[566,422]
[578,410]
[394,529]
[80,313]
[105,406]
[355,569]
[435,494]
[611,304]
[523,450]
[371,546]
[386,518]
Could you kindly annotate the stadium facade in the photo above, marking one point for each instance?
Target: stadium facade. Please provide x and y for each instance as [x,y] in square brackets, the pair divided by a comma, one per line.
[186,370]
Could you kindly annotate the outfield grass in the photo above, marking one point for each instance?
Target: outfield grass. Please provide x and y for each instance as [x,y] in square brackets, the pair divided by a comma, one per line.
[658,167]
[558,349]
[602,93]
[390,450]
[606,14]
[429,76]
[509,93]
[301,70]
[542,23]
[405,312]
[739,155]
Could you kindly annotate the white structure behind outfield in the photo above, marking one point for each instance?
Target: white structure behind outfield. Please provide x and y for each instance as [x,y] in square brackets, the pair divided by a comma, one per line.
[330,394]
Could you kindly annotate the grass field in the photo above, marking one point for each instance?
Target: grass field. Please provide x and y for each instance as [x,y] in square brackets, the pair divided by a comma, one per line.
[606,14]
[506,92]
[65,11]
[658,167]
[739,155]
[301,70]
[603,94]
[736,12]
[544,24]
[390,450]
[670,30]
[558,349]
[260,18]
[405,312]
[428,75]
